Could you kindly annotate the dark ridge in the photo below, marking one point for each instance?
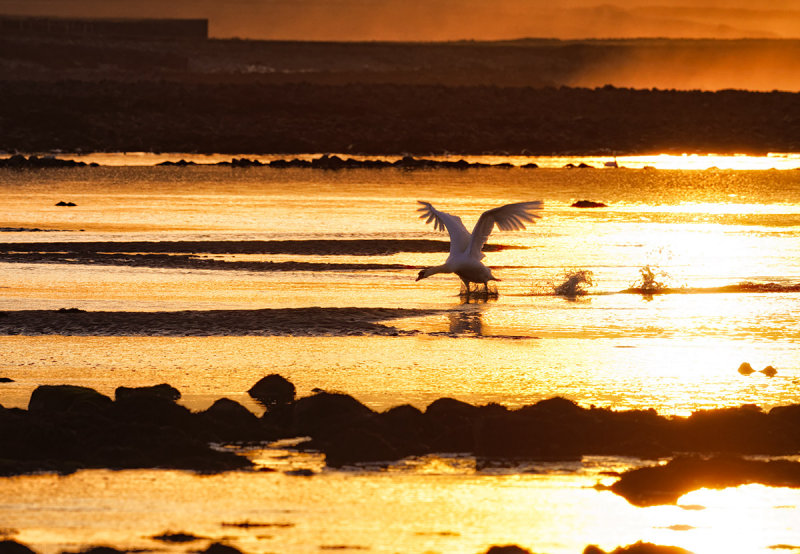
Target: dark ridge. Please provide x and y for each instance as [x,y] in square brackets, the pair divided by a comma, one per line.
[389,119]
[325,247]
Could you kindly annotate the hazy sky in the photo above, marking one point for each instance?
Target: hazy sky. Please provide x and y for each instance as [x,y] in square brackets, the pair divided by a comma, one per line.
[449,19]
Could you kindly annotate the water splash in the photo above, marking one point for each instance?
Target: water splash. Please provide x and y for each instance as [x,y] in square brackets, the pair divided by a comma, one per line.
[574,283]
[478,291]
[651,281]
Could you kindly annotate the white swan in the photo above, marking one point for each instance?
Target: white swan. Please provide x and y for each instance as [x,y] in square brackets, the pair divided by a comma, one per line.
[465,248]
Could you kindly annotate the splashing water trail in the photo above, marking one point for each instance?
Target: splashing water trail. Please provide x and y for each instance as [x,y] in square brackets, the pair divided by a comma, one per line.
[651,281]
[574,283]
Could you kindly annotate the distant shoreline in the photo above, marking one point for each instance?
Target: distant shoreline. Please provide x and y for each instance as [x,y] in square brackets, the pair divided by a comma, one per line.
[526,97]
[389,119]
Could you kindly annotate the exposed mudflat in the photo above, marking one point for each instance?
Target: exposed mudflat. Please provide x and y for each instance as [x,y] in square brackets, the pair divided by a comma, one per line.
[268,322]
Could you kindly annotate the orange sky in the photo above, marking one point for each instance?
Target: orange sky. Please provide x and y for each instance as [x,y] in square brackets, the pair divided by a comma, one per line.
[449,19]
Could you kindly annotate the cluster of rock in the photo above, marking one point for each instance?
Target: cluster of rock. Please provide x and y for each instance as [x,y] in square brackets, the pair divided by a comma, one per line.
[18,161]
[333,162]
[69,427]
[9,546]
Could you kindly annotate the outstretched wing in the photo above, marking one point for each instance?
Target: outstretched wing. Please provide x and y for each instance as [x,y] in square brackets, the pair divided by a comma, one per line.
[511,217]
[459,236]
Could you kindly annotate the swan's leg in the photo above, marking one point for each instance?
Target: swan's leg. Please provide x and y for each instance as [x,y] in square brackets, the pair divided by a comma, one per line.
[466,286]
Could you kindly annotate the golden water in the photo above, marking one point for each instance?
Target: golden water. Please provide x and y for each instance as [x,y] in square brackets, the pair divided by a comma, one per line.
[675,352]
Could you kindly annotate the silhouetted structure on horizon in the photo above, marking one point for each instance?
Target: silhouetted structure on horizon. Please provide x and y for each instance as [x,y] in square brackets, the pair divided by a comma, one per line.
[46,27]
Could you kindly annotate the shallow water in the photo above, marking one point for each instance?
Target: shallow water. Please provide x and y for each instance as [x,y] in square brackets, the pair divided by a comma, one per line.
[677,352]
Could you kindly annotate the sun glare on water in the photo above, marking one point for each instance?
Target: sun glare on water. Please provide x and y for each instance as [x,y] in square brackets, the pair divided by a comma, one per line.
[738,520]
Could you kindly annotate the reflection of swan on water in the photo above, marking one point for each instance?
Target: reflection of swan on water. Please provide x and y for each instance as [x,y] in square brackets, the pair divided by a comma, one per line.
[465,248]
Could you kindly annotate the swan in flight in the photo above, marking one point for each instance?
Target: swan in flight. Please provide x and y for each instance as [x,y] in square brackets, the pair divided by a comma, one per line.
[465,248]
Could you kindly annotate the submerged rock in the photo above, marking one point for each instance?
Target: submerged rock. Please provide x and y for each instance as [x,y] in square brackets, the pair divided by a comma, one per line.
[221,548]
[508,549]
[233,422]
[55,399]
[19,161]
[769,371]
[328,412]
[9,546]
[163,392]
[588,204]
[746,369]
[665,484]
[638,548]
[273,390]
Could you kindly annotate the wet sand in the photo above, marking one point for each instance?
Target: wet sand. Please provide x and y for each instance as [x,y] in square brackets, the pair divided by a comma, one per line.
[191,254]
[329,247]
[312,321]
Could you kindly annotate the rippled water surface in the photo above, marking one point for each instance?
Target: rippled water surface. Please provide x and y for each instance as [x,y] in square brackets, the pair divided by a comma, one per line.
[726,243]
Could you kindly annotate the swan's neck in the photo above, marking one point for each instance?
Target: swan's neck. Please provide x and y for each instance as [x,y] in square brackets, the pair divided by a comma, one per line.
[433,270]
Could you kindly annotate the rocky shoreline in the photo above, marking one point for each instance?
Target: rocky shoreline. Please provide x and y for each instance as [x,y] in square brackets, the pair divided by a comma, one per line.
[67,428]
[10,546]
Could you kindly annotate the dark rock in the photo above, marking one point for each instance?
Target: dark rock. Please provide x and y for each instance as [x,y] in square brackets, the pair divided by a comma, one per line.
[508,549]
[410,429]
[155,405]
[179,163]
[588,204]
[102,550]
[530,165]
[358,445]
[233,422]
[638,548]
[155,392]
[62,203]
[454,423]
[303,472]
[18,161]
[6,380]
[326,412]
[746,369]
[554,429]
[273,390]
[769,371]
[220,548]
[13,547]
[176,537]
[328,162]
[450,409]
[665,484]
[63,398]
[744,430]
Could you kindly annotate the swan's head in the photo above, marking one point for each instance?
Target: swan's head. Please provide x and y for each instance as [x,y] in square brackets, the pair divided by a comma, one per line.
[423,273]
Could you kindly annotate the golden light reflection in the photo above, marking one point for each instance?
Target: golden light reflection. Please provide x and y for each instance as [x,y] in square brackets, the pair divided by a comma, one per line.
[740,520]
